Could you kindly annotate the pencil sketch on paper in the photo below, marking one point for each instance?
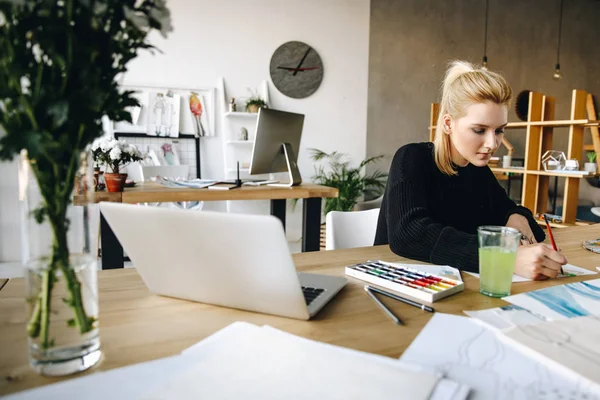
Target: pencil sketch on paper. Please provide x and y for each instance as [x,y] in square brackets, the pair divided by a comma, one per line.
[571,344]
[469,353]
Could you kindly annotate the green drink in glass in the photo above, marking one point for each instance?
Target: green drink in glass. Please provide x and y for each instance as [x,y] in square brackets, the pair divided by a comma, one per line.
[497,254]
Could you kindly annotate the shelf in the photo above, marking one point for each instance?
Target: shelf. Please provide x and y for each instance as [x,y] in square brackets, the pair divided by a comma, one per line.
[560,174]
[143,135]
[240,142]
[512,170]
[240,114]
[554,124]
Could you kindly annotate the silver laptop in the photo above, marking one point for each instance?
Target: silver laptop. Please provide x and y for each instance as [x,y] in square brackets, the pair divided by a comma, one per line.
[232,260]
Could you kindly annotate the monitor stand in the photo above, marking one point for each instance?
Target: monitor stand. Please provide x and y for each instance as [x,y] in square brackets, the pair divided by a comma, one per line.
[292,167]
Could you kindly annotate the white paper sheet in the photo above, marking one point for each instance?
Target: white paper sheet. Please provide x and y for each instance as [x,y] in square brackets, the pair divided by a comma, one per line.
[467,352]
[567,269]
[270,364]
[148,379]
[571,346]
[505,317]
[561,302]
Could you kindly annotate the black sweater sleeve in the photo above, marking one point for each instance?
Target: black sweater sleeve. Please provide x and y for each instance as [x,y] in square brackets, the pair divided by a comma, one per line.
[504,205]
[411,230]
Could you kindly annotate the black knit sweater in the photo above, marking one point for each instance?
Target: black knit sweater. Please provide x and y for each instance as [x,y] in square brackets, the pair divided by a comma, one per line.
[432,217]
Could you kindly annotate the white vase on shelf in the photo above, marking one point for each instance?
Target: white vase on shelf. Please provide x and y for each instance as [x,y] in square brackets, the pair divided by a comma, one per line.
[590,167]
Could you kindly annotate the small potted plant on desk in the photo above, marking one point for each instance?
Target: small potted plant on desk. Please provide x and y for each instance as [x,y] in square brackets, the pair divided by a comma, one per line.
[352,182]
[254,103]
[115,154]
[591,164]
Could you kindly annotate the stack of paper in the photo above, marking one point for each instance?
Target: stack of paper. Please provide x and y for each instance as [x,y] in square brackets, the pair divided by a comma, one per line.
[250,362]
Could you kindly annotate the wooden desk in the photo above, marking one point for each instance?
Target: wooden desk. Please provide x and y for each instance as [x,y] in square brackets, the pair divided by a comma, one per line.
[136,326]
[112,251]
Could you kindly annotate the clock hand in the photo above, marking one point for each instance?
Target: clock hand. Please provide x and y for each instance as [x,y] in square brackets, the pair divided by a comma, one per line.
[298,69]
[301,61]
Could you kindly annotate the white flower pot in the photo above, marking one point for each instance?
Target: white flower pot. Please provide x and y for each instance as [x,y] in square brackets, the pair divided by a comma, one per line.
[590,167]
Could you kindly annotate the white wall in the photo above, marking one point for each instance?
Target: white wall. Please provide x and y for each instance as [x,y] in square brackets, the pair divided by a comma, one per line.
[235,39]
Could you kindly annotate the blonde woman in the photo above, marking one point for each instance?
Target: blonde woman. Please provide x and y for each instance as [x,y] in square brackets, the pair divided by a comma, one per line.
[439,193]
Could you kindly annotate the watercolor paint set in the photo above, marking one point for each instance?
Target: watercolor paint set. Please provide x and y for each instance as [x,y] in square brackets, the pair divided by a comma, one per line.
[405,280]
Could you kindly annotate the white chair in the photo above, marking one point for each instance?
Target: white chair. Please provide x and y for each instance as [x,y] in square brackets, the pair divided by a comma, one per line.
[350,229]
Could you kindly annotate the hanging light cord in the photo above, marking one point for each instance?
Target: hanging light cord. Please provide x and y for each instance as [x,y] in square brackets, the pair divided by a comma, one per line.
[559,32]
[486,29]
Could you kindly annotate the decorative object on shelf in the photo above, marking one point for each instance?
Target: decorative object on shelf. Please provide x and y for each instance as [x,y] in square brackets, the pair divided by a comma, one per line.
[66,86]
[484,63]
[352,182]
[557,73]
[296,69]
[554,160]
[254,103]
[114,154]
[590,166]
[243,133]
[232,105]
[196,109]
[571,165]
[506,161]
[522,105]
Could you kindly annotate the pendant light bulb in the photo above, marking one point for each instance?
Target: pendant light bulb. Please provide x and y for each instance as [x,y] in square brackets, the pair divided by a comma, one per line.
[484,64]
[557,74]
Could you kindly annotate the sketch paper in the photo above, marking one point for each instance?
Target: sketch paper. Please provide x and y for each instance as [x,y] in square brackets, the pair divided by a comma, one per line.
[577,299]
[469,353]
[268,364]
[573,345]
[505,317]
[567,269]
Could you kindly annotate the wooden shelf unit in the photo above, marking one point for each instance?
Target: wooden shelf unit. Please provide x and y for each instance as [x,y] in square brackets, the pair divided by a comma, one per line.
[539,131]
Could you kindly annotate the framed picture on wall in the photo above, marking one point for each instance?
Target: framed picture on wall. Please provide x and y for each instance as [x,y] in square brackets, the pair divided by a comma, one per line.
[168,111]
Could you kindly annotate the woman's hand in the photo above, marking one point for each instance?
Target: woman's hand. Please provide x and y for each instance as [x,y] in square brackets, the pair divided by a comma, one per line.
[521,224]
[538,261]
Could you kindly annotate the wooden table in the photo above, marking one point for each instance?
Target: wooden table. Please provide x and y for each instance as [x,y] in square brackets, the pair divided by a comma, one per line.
[2,283]
[112,251]
[137,326]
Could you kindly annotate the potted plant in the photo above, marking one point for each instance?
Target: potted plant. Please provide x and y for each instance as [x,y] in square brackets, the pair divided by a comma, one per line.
[254,103]
[351,182]
[591,164]
[59,61]
[114,154]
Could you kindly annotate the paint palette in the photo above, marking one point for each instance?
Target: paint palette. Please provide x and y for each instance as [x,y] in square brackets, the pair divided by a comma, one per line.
[405,280]
[592,245]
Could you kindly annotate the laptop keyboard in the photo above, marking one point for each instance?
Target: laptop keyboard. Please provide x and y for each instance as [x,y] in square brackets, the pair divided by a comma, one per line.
[311,293]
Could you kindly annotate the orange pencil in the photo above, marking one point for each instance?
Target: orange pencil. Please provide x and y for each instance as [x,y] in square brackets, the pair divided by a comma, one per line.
[552,238]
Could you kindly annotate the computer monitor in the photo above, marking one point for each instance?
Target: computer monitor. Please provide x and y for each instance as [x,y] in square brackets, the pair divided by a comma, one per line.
[276,144]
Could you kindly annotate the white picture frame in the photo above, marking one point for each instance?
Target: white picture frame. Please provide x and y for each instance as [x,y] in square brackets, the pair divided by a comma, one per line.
[182,119]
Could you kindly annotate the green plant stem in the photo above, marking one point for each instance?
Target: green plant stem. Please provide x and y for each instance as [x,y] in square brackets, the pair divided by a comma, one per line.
[46,300]
[56,210]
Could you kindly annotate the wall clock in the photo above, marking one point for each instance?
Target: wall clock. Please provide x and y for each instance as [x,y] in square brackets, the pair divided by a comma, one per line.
[296,69]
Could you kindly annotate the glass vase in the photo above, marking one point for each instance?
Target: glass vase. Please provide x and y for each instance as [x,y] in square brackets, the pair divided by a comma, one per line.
[60,273]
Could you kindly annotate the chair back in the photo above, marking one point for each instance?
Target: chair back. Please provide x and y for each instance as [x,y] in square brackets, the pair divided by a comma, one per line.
[350,229]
